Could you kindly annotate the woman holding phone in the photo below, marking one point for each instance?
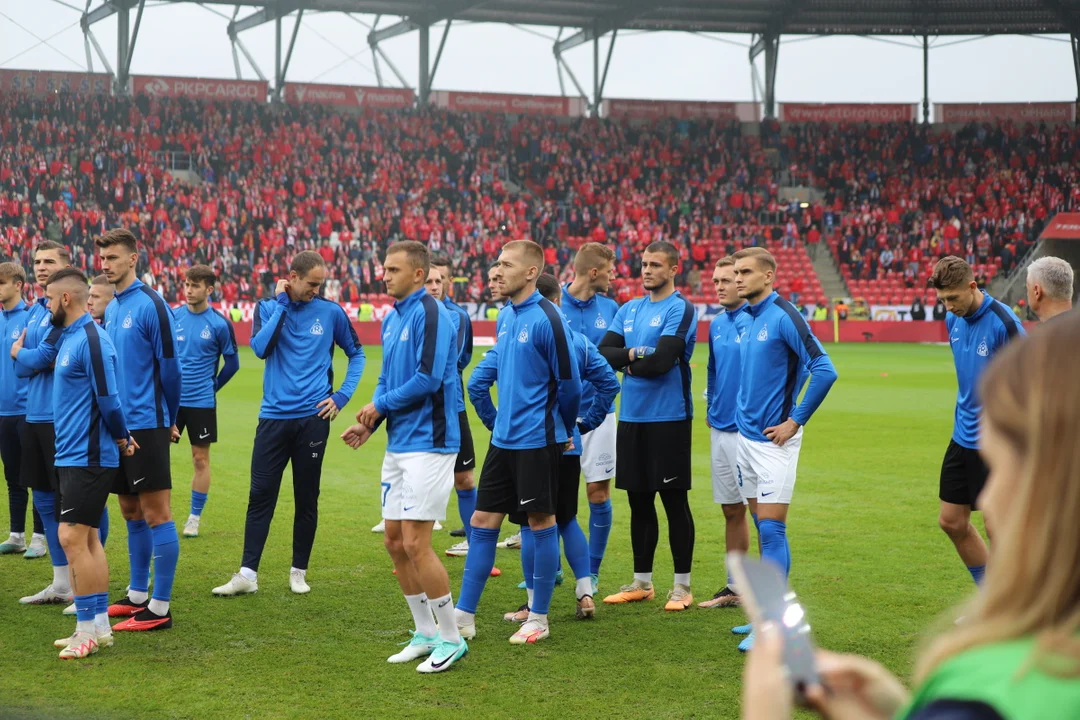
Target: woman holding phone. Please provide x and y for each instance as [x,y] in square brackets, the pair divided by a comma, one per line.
[1016,654]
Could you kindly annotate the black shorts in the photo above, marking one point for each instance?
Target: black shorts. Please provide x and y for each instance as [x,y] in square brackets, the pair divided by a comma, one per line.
[38,451]
[148,469]
[517,482]
[653,456]
[466,457]
[963,475]
[201,424]
[83,493]
[569,482]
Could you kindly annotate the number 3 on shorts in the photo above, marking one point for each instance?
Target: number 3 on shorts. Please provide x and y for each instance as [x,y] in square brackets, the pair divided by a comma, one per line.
[385,490]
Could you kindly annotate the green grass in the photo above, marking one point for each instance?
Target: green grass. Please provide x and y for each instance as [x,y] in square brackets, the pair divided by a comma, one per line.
[869,562]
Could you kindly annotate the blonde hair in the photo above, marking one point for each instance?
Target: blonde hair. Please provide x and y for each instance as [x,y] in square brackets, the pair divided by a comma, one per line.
[592,255]
[1032,586]
[764,257]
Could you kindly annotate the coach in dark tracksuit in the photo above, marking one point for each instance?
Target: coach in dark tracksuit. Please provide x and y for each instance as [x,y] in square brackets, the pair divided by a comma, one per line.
[295,334]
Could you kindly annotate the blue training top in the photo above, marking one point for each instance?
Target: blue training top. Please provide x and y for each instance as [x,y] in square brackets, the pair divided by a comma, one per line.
[974,341]
[643,322]
[296,339]
[417,392]
[13,385]
[142,330]
[89,416]
[727,333]
[202,339]
[592,318]
[35,361]
[778,345]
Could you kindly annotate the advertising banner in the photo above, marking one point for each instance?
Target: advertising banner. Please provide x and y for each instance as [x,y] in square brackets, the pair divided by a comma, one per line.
[857,113]
[377,98]
[43,82]
[200,88]
[1016,112]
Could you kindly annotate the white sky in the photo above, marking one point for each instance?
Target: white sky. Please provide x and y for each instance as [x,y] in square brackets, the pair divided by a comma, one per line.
[191,41]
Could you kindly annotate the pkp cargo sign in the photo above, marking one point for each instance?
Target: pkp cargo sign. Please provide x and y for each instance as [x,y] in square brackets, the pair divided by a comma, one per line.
[199,88]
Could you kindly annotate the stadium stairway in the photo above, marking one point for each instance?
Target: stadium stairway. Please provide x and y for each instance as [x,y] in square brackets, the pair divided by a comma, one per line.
[828,273]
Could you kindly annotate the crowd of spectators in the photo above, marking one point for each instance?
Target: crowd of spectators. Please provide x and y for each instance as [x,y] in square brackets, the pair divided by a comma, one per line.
[274,180]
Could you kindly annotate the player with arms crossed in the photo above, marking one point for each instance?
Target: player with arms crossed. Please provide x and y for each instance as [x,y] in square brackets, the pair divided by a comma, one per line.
[727,333]
[34,354]
[140,325]
[203,337]
[91,433]
[779,347]
[295,333]
[464,482]
[591,314]
[539,394]
[651,341]
[978,327]
[417,397]
[13,390]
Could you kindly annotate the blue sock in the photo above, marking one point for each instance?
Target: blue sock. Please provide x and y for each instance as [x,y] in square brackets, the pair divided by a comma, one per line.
[103,526]
[478,564]
[599,530]
[85,607]
[166,555]
[544,568]
[576,548]
[976,571]
[198,502]
[466,505]
[102,603]
[140,552]
[45,502]
[774,545]
[528,555]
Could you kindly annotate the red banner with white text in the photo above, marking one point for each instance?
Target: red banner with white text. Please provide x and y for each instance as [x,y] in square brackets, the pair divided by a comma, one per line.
[1036,112]
[43,82]
[518,104]
[376,98]
[852,112]
[199,88]
[681,110]
[1063,226]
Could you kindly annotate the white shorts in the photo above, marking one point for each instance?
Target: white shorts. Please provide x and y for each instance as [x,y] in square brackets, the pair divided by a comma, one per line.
[725,468]
[417,485]
[598,452]
[767,470]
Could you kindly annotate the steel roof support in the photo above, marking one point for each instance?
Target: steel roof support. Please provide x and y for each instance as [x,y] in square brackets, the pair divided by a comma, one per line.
[438,53]
[768,43]
[605,24]
[425,64]
[1074,42]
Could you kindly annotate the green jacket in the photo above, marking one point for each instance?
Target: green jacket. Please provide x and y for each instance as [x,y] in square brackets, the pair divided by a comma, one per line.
[989,674]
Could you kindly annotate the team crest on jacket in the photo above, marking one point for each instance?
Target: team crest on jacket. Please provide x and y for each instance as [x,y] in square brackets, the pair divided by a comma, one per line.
[205,334]
[65,360]
[600,323]
[317,328]
[127,321]
[404,334]
[655,322]
[764,334]
[44,321]
[15,334]
[983,349]
[523,336]
[738,338]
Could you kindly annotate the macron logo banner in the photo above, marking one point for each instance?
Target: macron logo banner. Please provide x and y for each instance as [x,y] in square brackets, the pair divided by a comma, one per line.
[200,88]
[377,98]
[1017,112]
[515,104]
[42,82]
[856,113]
[681,110]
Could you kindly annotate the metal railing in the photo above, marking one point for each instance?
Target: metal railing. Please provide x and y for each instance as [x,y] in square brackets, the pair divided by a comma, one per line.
[172,160]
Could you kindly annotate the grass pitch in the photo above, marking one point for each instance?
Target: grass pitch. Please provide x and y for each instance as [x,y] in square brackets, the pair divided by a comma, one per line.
[869,562]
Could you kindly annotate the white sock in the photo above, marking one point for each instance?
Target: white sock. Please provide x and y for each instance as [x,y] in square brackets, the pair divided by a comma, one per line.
[86,626]
[444,613]
[138,596]
[584,587]
[537,617]
[18,537]
[303,573]
[61,579]
[158,607]
[463,618]
[682,579]
[530,591]
[101,623]
[421,614]
[249,574]
[37,536]
[645,578]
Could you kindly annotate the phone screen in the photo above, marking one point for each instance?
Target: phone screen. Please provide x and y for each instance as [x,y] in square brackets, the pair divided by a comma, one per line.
[768,598]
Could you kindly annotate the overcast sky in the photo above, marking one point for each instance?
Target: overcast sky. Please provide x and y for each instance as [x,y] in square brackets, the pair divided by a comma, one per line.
[189,40]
